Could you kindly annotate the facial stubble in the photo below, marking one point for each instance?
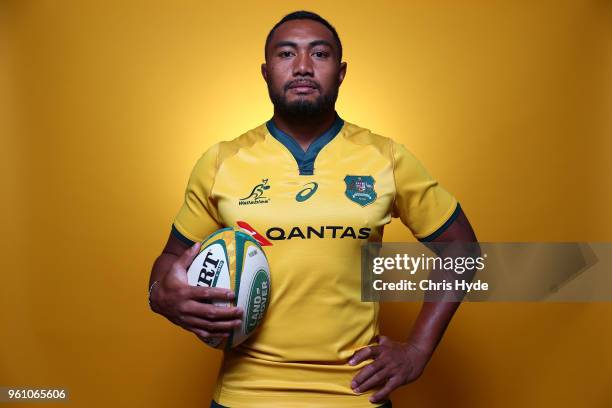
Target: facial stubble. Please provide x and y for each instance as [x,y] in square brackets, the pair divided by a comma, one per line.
[303,108]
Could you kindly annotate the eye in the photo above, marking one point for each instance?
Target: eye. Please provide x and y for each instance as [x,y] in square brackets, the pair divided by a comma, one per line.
[321,54]
[285,54]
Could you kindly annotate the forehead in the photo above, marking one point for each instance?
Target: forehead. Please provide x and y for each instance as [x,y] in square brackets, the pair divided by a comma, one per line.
[302,31]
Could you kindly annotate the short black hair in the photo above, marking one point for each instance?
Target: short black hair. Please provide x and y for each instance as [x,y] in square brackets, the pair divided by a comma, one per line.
[306,15]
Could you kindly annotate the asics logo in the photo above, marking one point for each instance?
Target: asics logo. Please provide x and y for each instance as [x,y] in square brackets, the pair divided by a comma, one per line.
[307,192]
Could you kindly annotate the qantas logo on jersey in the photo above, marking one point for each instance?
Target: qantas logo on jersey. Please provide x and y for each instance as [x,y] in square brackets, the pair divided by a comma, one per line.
[323,231]
[257,194]
[260,238]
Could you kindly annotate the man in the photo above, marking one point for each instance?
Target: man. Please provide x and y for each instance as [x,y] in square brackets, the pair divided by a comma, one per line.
[326,187]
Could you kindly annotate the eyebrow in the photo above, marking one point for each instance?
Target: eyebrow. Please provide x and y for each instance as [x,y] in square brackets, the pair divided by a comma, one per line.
[294,45]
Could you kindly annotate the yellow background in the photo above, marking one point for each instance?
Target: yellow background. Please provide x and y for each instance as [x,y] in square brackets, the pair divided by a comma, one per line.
[106,105]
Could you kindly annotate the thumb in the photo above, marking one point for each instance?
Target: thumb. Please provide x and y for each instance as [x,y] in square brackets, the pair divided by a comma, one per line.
[383,340]
[189,255]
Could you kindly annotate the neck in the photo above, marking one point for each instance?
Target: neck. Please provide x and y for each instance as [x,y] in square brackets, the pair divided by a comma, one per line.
[304,131]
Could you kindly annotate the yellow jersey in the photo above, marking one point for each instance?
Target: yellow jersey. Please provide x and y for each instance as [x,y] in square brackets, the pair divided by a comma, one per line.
[313,210]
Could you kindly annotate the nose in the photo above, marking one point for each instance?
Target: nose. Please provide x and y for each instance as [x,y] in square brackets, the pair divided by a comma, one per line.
[303,65]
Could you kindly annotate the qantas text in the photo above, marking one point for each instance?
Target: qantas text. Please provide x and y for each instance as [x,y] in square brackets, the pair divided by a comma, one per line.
[324,231]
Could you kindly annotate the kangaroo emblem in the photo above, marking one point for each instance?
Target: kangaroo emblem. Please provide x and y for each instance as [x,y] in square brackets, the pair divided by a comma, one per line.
[258,191]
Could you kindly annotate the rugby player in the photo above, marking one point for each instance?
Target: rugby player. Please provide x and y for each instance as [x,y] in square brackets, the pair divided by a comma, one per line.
[316,188]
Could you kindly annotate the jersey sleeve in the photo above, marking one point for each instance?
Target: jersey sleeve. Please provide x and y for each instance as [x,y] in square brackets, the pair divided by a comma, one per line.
[198,216]
[422,204]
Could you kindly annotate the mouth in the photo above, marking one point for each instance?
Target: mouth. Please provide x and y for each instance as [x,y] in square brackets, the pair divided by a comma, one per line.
[302,87]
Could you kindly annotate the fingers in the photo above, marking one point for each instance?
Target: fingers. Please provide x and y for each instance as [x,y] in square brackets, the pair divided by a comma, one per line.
[211,326]
[206,293]
[207,336]
[188,255]
[364,354]
[209,322]
[369,376]
[211,312]
[383,340]
[384,392]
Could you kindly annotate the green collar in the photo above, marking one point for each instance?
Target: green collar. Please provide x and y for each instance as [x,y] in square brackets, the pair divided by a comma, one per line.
[306,159]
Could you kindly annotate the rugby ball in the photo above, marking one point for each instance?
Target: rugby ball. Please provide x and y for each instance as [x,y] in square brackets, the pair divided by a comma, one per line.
[231,258]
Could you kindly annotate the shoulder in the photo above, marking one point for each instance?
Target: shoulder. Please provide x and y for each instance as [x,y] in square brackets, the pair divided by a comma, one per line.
[398,155]
[247,140]
[216,154]
[362,136]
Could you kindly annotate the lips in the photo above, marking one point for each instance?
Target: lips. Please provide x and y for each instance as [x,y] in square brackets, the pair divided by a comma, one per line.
[302,85]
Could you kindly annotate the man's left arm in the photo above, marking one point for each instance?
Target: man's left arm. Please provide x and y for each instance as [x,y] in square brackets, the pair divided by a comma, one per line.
[397,363]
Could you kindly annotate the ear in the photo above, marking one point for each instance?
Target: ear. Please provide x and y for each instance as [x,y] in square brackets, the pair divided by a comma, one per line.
[264,71]
[341,72]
